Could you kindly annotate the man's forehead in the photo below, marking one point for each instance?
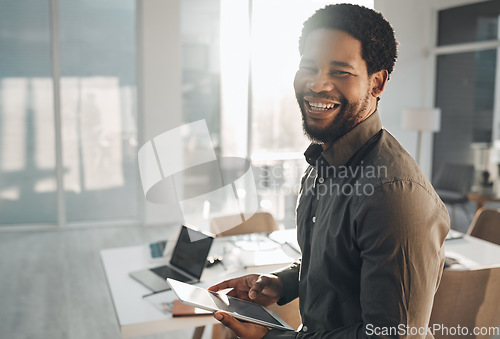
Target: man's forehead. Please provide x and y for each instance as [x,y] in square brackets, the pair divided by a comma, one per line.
[336,44]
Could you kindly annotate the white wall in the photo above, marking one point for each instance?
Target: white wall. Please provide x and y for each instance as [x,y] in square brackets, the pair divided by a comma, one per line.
[159,84]
[412,82]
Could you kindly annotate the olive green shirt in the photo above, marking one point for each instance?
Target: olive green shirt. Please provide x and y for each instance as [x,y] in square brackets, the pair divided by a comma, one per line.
[371,229]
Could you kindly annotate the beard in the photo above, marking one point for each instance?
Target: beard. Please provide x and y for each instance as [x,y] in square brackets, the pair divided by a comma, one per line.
[346,119]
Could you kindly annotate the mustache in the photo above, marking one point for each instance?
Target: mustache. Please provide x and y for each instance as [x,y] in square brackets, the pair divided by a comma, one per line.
[321,96]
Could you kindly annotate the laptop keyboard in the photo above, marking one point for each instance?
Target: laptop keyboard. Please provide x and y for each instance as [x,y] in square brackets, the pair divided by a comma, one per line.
[166,272]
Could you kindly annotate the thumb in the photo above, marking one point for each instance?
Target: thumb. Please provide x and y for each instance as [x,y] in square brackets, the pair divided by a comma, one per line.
[257,287]
[231,322]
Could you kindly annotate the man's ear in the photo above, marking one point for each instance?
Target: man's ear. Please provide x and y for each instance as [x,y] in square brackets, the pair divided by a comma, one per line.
[378,81]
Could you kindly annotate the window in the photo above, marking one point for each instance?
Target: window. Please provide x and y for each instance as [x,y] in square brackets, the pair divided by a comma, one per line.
[465,93]
[27,143]
[467,82]
[95,62]
[476,22]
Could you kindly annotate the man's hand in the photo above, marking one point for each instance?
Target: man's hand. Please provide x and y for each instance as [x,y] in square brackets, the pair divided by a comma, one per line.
[242,330]
[265,289]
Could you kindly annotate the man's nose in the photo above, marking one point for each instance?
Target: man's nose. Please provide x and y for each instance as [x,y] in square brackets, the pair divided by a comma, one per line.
[320,83]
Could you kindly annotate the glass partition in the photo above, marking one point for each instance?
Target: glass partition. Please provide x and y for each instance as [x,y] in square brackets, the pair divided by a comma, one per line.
[27,141]
[98,108]
[98,111]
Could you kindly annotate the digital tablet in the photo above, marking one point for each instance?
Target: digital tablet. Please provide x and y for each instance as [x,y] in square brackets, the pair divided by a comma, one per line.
[240,309]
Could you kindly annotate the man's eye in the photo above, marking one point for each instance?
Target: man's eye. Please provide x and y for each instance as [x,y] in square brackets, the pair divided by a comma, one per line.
[339,73]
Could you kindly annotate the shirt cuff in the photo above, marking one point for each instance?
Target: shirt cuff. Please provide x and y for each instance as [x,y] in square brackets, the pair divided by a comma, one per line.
[278,334]
[290,278]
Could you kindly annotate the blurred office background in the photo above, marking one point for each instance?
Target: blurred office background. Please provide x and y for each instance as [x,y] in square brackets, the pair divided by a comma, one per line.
[85,83]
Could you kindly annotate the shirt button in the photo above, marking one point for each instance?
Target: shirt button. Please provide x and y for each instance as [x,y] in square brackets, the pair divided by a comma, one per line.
[314,219]
[304,328]
[321,180]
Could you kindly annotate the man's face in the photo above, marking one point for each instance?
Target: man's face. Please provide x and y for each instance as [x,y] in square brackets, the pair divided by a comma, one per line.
[332,85]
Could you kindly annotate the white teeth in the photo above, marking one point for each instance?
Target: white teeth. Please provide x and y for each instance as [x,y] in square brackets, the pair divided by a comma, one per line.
[320,105]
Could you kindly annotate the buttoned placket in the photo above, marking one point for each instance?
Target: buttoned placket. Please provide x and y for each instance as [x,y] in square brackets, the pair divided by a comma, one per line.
[314,200]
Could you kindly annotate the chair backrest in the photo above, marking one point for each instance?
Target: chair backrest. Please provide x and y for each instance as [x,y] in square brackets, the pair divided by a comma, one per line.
[454,177]
[260,222]
[486,225]
[469,298]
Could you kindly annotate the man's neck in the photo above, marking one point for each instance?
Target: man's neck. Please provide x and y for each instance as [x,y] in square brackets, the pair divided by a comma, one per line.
[325,145]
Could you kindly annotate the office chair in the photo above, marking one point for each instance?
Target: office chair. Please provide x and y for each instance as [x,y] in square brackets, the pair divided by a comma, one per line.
[469,298]
[452,183]
[486,225]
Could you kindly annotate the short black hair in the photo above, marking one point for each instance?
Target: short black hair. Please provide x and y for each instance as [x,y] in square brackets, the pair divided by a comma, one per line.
[378,44]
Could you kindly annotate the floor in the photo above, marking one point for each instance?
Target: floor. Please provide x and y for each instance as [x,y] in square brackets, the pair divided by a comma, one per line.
[54,285]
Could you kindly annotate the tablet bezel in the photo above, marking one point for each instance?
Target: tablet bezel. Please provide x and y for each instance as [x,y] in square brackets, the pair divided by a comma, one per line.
[174,284]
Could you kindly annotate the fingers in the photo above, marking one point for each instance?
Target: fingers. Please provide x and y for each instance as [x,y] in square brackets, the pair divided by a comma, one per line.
[231,322]
[249,287]
[243,330]
[229,284]
[235,292]
[223,285]
[242,283]
[257,287]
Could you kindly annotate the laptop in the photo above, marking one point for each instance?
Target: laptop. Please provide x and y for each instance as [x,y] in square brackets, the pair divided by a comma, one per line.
[186,265]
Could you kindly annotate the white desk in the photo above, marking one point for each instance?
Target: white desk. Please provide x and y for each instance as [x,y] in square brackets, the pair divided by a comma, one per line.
[472,252]
[138,317]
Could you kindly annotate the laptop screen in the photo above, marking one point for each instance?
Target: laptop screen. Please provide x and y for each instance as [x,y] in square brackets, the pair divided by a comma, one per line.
[190,256]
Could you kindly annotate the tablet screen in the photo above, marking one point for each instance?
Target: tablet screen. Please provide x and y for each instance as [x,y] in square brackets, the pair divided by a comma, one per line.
[214,301]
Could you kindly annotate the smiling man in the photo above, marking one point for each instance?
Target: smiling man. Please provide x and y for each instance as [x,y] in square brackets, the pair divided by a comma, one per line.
[370,225]
[333,88]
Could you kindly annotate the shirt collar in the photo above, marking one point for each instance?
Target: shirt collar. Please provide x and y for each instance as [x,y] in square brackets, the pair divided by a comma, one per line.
[347,145]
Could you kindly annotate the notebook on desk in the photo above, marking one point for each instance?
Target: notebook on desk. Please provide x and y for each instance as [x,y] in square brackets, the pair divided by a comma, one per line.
[187,262]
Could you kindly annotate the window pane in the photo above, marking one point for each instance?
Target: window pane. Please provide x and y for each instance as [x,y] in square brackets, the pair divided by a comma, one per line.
[476,22]
[465,93]
[200,34]
[276,125]
[98,107]
[200,38]
[27,158]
